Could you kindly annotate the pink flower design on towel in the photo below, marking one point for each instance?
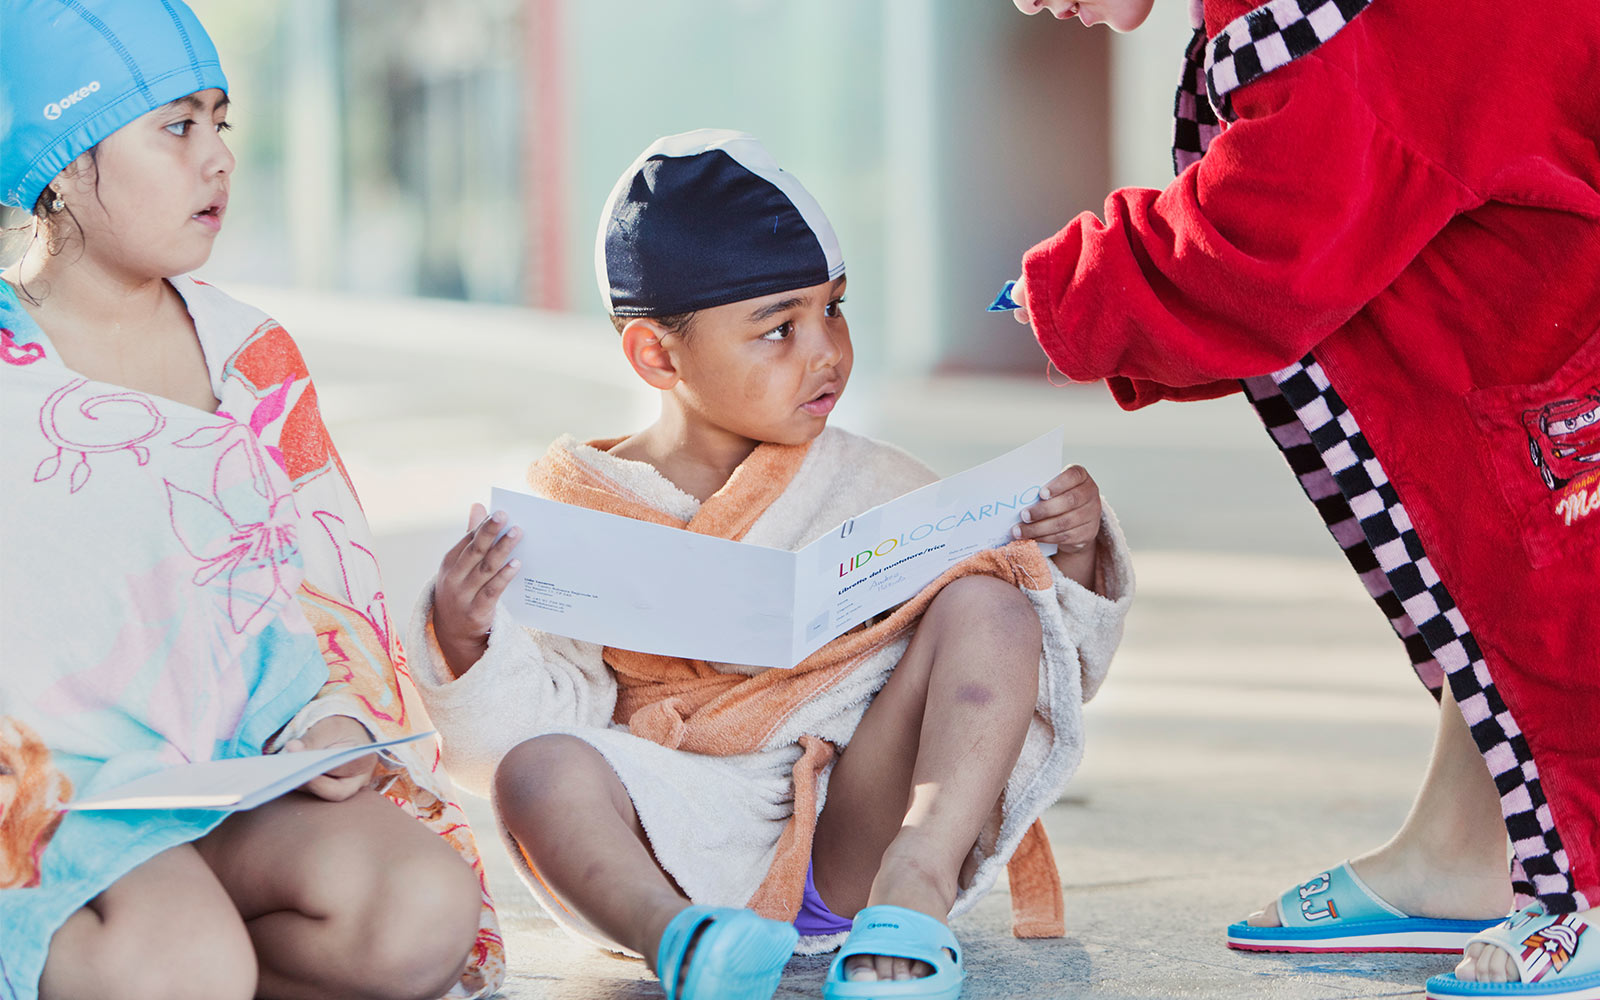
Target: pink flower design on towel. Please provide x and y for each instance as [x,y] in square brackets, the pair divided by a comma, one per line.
[244,534]
[18,354]
[359,575]
[54,421]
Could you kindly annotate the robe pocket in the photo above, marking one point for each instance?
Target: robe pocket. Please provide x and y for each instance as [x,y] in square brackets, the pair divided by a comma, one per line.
[1543,440]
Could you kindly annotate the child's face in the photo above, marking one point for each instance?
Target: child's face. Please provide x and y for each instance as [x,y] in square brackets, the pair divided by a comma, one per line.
[1121,15]
[769,368]
[150,203]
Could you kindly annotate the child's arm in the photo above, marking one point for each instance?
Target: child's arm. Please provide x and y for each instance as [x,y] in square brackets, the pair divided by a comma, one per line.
[1300,213]
[1068,516]
[490,684]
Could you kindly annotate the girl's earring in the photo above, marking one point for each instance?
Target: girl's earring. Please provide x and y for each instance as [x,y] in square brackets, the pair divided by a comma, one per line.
[57,204]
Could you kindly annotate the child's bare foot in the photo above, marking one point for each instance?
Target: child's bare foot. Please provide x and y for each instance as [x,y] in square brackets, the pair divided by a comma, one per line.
[902,881]
[1487,963]
[1483,963]
[1422,887]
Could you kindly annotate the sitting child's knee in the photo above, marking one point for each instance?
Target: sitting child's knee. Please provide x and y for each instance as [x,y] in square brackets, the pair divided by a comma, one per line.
[207,959]
[546,767]
[429,907]
[993,606]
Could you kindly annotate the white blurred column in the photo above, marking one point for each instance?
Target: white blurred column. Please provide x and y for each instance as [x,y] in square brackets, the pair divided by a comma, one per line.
[545,149]
[1144,77]
[313,141]
[911,172]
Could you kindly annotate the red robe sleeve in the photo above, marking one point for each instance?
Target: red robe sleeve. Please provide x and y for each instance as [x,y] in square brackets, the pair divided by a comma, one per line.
[1301,212]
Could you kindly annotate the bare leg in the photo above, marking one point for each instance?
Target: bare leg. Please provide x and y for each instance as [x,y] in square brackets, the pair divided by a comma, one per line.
[353,899]
[164,930]
[1449,859]
[926,768]
[573,818]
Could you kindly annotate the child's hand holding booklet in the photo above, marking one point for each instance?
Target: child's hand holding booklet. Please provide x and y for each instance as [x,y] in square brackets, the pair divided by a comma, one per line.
[235,784]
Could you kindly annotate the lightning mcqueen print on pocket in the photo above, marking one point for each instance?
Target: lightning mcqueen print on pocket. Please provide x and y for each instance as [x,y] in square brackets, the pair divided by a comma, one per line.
[1543,440]
[1564,438]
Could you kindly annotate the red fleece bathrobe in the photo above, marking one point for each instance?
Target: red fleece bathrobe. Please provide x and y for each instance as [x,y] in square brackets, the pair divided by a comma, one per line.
[1401,217]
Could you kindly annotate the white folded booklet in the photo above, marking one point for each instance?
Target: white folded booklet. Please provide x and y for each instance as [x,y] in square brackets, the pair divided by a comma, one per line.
[233,785]
[647,587]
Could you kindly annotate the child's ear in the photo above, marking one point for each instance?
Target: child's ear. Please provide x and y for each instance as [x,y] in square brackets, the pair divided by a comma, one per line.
[641,342]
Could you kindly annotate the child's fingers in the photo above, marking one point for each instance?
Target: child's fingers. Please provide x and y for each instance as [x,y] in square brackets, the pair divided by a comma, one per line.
[1019,295]
[1071,478]
[448,563]
[1075,527]
[360,767]
[1084,498]
[467,559]
[345,780]
[501,551]
[1072,487]
[332,789]
[474,522]
[489,577]
[489,594]
[1057,505]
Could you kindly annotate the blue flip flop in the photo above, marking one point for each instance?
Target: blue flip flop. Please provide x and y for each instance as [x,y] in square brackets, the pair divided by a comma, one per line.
[901,933]
[1337,912]
[737,954]
[1557,956]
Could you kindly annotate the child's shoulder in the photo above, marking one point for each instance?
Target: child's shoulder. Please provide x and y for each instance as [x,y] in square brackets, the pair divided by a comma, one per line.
[202,297]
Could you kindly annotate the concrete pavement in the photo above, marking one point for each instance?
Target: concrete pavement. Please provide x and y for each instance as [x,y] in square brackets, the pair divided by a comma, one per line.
[1260,721]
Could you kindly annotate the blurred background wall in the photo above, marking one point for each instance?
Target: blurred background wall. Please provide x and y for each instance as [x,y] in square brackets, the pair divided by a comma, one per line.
[461,149]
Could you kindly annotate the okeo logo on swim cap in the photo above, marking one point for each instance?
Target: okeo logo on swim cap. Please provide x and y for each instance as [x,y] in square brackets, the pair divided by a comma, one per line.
[53,110]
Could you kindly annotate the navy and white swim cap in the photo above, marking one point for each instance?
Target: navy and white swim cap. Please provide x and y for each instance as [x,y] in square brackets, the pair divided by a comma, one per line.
[705,218]
[74,71]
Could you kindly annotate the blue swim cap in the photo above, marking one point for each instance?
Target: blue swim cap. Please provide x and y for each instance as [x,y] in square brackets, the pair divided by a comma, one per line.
[74,71]
[705,218]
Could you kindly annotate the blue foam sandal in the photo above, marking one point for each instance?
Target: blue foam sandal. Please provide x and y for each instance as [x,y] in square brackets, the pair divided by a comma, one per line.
[1337,912]
[1558,957]
[900,933]
[737,954]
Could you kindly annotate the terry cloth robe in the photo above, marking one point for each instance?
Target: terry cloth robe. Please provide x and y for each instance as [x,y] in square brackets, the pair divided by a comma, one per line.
[178,586]
[727,765]
[1395,238]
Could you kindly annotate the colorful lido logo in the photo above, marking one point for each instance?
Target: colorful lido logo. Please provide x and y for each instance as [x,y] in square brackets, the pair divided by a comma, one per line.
[53,110]
[947,523]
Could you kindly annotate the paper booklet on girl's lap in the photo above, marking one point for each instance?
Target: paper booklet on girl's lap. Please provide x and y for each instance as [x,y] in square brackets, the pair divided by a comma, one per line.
[634,585]
[235,784]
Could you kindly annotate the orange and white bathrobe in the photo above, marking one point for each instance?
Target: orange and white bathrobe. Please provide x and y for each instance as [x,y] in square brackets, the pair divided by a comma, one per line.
[728,765]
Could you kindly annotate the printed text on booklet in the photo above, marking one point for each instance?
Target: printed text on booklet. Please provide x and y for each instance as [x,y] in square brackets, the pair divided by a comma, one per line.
[634,585]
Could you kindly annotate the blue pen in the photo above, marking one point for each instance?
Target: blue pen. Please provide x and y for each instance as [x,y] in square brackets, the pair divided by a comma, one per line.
[1004,302]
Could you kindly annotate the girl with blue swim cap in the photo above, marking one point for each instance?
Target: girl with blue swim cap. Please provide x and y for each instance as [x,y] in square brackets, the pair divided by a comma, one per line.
[188,577]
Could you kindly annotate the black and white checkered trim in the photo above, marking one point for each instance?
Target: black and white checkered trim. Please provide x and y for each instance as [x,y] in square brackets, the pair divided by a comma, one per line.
[1294,441]
[1390,544]
[1273,35]
[1194,121]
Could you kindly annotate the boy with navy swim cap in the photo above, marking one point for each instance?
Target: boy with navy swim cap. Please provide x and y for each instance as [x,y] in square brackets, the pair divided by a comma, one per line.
[703,815]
